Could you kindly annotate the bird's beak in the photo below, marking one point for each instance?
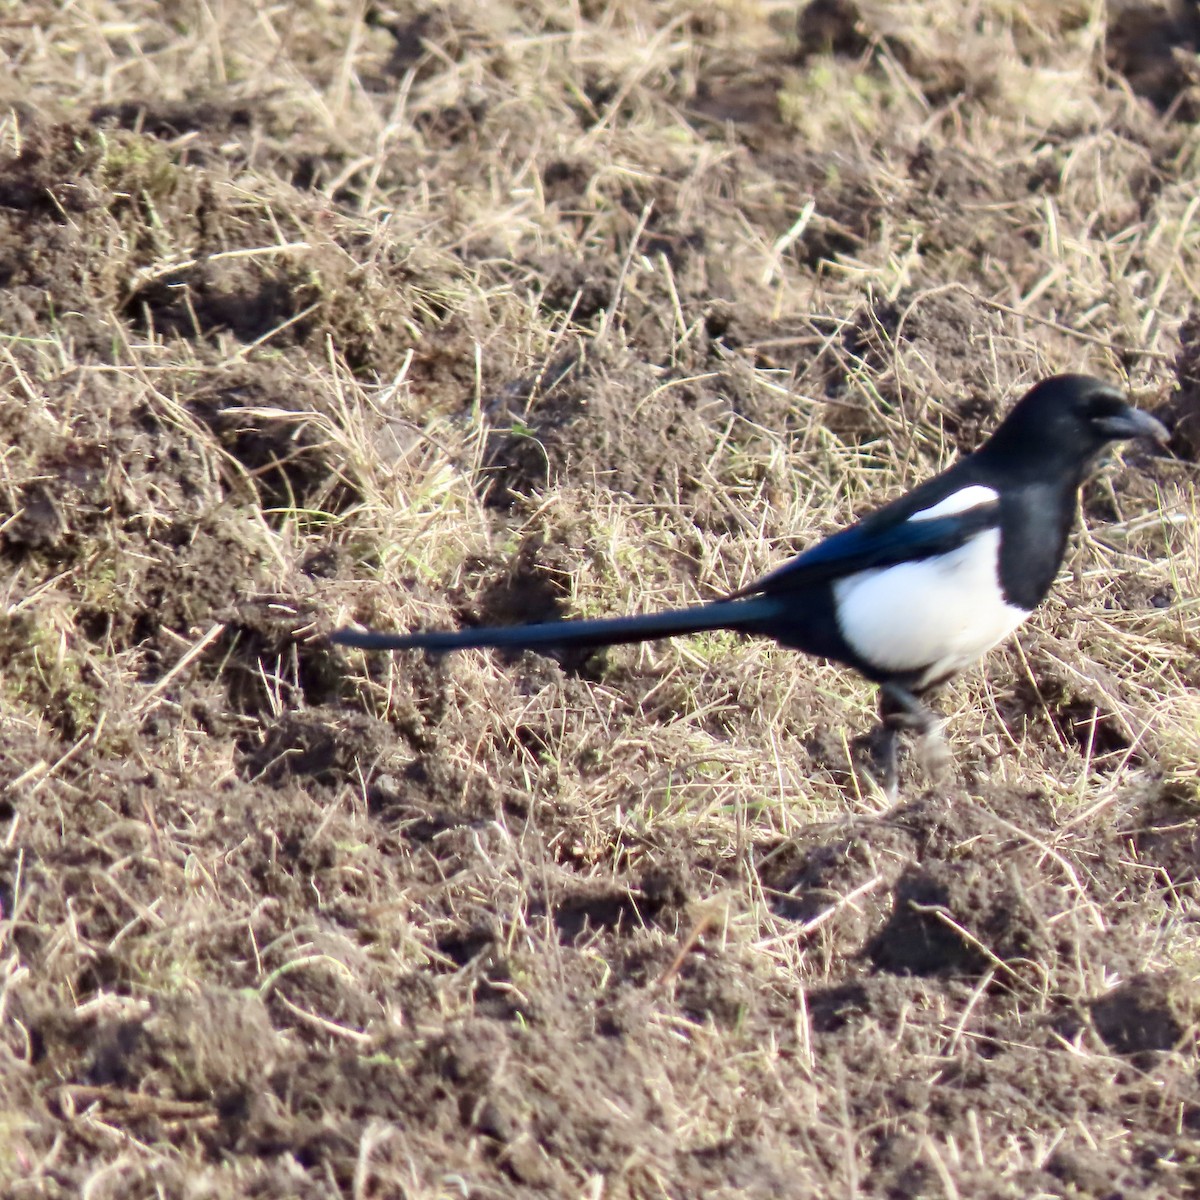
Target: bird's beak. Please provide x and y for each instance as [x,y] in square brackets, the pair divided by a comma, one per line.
[1133,423]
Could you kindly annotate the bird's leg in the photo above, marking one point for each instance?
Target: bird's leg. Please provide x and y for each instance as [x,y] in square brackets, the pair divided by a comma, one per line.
[899,710]
[887,760]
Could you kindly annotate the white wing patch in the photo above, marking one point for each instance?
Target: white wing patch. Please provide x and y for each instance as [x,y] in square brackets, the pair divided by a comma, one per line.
[975,496]
[934,615]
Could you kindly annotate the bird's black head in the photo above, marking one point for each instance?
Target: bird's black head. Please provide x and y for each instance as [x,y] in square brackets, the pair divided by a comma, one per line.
[1064,422]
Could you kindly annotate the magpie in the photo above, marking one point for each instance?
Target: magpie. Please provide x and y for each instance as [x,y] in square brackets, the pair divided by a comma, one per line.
[913,592]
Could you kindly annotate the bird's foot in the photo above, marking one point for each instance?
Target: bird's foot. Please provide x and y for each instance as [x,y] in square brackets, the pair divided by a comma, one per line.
[901,711]
[877,760]
[933,754]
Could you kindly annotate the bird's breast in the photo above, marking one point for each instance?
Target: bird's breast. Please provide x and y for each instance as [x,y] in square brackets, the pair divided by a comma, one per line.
[931,617]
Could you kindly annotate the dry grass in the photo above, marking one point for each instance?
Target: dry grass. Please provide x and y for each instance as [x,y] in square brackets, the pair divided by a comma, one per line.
[419,314]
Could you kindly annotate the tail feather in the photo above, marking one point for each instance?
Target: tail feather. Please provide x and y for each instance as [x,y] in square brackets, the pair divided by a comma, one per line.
[723,614]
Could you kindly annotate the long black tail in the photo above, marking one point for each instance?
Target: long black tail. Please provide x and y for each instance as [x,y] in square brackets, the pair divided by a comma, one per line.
[742,614]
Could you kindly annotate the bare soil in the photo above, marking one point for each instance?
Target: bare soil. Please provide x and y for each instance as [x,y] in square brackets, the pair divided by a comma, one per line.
[436,314]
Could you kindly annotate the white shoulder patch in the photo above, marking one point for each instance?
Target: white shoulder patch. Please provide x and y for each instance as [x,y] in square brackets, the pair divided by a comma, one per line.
[975,496]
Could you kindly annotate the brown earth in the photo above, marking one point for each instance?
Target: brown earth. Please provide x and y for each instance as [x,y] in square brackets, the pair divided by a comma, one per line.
[435,314]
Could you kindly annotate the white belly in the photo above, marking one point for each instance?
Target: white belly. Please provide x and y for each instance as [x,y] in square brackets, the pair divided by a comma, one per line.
[934,617]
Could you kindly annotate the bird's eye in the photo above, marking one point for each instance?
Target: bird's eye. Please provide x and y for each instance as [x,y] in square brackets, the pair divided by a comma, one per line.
[1104,405]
